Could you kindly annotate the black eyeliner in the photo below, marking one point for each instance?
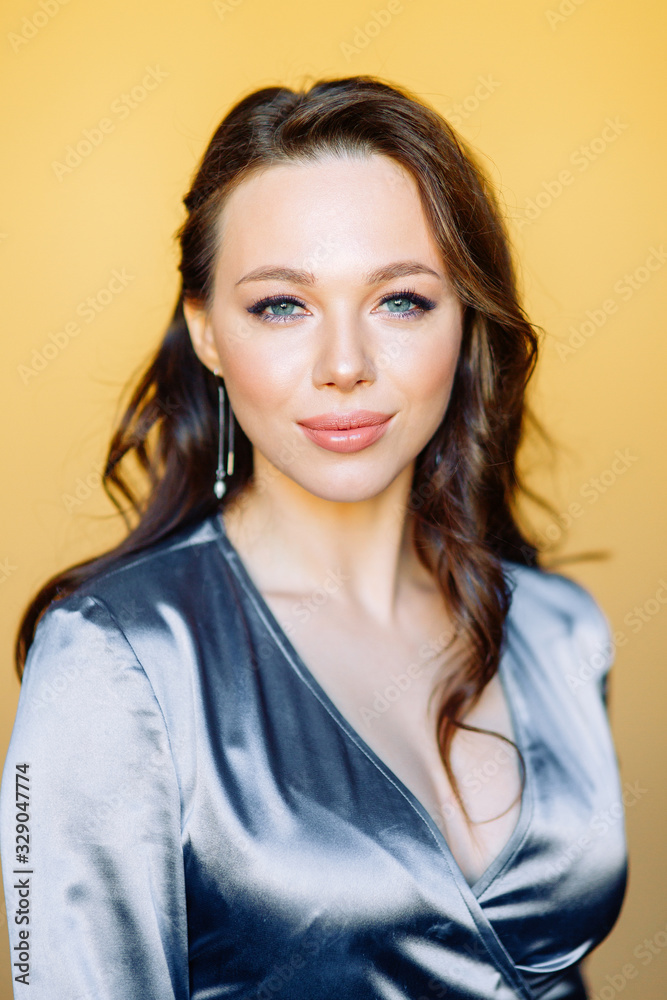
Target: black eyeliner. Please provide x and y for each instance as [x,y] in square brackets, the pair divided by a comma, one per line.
[261,304]
[423,303]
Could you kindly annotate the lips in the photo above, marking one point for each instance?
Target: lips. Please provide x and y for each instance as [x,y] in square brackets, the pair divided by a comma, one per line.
[346,421]
[346,432]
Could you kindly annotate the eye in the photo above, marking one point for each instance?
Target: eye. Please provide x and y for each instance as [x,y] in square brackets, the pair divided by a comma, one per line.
[283,304]
[406,303]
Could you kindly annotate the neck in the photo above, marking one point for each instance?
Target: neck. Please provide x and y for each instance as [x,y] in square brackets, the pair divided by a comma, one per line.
[294,542]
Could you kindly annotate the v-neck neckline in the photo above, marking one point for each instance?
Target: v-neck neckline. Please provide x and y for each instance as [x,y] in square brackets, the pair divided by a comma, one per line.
[510,690]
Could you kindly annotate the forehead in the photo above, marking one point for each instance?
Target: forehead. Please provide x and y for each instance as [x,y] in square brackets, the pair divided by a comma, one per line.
[361,205]
[345,168]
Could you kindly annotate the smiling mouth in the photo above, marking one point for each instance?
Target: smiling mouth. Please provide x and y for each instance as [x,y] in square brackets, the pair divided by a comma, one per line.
[346,432]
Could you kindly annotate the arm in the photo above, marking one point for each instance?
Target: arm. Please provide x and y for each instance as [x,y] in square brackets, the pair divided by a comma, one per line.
[106,893]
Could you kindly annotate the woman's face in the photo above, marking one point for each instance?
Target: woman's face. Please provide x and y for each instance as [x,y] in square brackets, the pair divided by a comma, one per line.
[331,302]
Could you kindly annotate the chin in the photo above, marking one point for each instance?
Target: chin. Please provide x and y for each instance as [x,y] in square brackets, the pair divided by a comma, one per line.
[342,487]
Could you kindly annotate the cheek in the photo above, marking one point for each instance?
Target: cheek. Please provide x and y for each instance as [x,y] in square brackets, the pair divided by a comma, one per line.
[425,375]
[261,376]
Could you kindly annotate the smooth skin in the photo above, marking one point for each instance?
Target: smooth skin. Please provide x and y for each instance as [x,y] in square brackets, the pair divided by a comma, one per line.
[352,231]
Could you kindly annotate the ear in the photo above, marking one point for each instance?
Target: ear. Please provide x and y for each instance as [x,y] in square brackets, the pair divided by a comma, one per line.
[201,334]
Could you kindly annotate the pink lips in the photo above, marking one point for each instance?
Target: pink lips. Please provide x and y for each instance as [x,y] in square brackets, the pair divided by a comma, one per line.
[346,432]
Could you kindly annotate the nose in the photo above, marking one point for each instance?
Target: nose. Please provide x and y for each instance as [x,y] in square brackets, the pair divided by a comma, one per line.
[343,358]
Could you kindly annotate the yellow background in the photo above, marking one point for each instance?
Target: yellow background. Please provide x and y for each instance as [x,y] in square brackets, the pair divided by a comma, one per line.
[556,70]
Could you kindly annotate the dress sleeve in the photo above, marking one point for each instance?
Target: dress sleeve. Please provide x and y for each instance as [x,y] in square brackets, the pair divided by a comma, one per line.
[96,897]
[594,638]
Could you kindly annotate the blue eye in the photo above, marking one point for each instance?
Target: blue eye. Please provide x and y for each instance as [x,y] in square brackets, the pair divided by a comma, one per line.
[398,300]
[394,304]
[283,303]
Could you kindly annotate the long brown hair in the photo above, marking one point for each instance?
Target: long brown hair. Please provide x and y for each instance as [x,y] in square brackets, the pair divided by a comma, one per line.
[465,483]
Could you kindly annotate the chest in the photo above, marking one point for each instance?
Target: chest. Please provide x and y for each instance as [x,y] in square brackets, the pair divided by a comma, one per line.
[311,872]
[384,683]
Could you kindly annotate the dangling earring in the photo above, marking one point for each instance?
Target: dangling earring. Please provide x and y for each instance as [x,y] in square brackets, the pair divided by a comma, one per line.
[220,486]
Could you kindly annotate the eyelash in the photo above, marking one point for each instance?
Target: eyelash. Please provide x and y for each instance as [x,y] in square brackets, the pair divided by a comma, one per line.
[423,305]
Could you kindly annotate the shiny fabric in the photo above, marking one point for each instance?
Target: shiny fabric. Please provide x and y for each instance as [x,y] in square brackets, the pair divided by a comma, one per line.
[204,823]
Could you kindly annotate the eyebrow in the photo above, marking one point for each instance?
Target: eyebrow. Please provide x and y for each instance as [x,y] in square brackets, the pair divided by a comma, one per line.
[398,269]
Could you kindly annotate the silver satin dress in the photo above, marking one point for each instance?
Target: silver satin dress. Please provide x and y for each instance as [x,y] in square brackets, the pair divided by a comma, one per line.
[204,823]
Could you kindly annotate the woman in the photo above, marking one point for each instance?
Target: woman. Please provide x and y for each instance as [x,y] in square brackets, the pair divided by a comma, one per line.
[314,729]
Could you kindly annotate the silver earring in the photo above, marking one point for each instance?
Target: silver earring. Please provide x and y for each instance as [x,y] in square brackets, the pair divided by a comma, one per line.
[224,468]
